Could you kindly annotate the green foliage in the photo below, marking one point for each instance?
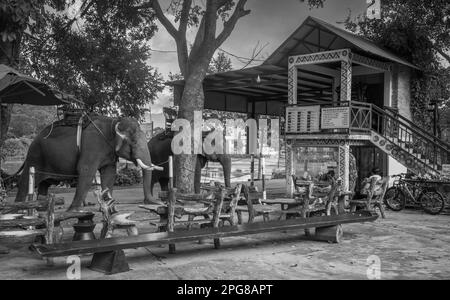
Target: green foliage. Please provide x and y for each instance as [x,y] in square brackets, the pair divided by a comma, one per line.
[100,59]
[16,147]
[16,16]
[220,63]
[419,31]
[29,120]
[128,176]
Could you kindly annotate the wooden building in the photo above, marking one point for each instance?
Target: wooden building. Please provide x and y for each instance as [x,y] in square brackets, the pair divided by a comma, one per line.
[338,94]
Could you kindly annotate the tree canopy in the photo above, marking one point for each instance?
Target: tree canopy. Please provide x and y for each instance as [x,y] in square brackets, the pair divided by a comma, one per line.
[99,54]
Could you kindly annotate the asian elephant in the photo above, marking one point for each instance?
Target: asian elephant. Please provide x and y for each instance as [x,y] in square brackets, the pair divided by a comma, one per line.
[160,150]
[56,157]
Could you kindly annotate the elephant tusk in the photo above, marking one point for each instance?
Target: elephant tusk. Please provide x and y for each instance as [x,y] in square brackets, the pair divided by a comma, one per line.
[121,135]
[157,168]
[145,167]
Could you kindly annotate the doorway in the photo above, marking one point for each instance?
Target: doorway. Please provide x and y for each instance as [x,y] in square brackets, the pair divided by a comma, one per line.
[367,158]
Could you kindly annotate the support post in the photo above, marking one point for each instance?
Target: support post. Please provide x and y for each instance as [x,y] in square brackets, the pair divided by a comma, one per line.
[263,171]
[171,183]
[289,169]
[252,171]
[171,216]
[31,184]
[217,212]
[50,224]
[344,165]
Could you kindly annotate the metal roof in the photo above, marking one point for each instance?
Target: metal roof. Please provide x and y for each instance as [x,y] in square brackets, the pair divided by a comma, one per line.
[16,87]
[314,82]
[316,35]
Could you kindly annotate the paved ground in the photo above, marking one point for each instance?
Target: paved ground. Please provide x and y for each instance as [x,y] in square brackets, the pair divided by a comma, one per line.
[410,245]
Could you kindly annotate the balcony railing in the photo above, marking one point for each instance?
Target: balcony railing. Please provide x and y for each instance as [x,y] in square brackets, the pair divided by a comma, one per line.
[357,118]
[330,118]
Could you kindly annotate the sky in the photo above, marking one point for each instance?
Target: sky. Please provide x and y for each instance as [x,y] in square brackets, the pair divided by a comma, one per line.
[270,23]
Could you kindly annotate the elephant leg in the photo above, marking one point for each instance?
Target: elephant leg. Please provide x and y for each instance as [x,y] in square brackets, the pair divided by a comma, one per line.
[108,177]
[197,176]
[43,188]
[86,177]
[164,184]
[22,186]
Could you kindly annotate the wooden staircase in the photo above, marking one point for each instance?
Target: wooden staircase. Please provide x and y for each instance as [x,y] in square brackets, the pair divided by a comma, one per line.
[412,146]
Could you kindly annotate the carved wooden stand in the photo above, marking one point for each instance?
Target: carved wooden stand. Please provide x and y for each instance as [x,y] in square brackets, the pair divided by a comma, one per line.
[110,262]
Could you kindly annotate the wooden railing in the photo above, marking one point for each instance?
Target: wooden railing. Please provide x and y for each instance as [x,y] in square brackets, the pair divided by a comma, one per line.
[364,118]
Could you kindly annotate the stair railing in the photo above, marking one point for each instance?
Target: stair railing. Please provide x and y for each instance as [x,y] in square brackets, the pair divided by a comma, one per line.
[399,130]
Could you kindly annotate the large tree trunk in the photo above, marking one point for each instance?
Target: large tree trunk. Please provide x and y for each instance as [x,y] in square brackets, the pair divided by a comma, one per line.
[192,100]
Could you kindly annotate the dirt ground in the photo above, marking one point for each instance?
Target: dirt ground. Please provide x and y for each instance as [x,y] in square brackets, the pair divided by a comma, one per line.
[409,245]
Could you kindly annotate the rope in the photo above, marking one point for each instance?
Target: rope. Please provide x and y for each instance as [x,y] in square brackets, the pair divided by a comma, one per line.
[99,130]
[56,174]
[161,164]
[51,130]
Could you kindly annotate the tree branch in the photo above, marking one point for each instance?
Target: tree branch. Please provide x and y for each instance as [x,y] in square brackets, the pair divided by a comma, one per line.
[442,53]
[210,21]
[198,38]
[163,19]
[84,10]
[229,25]
[184,18]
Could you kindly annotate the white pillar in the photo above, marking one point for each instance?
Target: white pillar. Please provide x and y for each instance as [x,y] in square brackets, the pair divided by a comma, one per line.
[289,169]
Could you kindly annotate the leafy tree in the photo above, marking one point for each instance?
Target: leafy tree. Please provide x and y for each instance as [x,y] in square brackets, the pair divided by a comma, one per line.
[17,18]
[101,61]
[28,120]
[99,55]
[194,64]
[419,31]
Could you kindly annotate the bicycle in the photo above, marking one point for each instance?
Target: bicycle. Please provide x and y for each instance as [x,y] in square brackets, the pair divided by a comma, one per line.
[413,192]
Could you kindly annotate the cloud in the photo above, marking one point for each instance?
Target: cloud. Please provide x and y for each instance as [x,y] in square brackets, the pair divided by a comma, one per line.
[165,99]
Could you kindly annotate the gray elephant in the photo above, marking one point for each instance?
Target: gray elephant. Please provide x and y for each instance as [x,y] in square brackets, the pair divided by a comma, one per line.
[160,150]
[56,157]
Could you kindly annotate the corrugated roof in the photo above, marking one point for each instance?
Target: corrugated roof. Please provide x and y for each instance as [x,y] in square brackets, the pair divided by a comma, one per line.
[319,35]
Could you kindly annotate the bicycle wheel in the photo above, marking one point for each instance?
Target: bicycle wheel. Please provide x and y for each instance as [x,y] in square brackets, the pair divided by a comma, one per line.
[431,202]
[395,199]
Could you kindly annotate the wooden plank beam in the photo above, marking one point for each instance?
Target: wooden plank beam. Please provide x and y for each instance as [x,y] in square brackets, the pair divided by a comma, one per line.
[145,240]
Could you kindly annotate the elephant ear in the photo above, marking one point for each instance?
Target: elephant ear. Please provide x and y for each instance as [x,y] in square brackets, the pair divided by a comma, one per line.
[120,137]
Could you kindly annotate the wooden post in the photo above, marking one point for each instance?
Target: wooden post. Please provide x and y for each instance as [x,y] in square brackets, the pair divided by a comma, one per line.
[170,172]
[217,212]
[31,181]
[50,224]
[171,216]
[305,210]
[263,170]
[252,171]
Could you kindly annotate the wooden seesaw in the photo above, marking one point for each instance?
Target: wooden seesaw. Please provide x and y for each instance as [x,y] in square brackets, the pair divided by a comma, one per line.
[110,258]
